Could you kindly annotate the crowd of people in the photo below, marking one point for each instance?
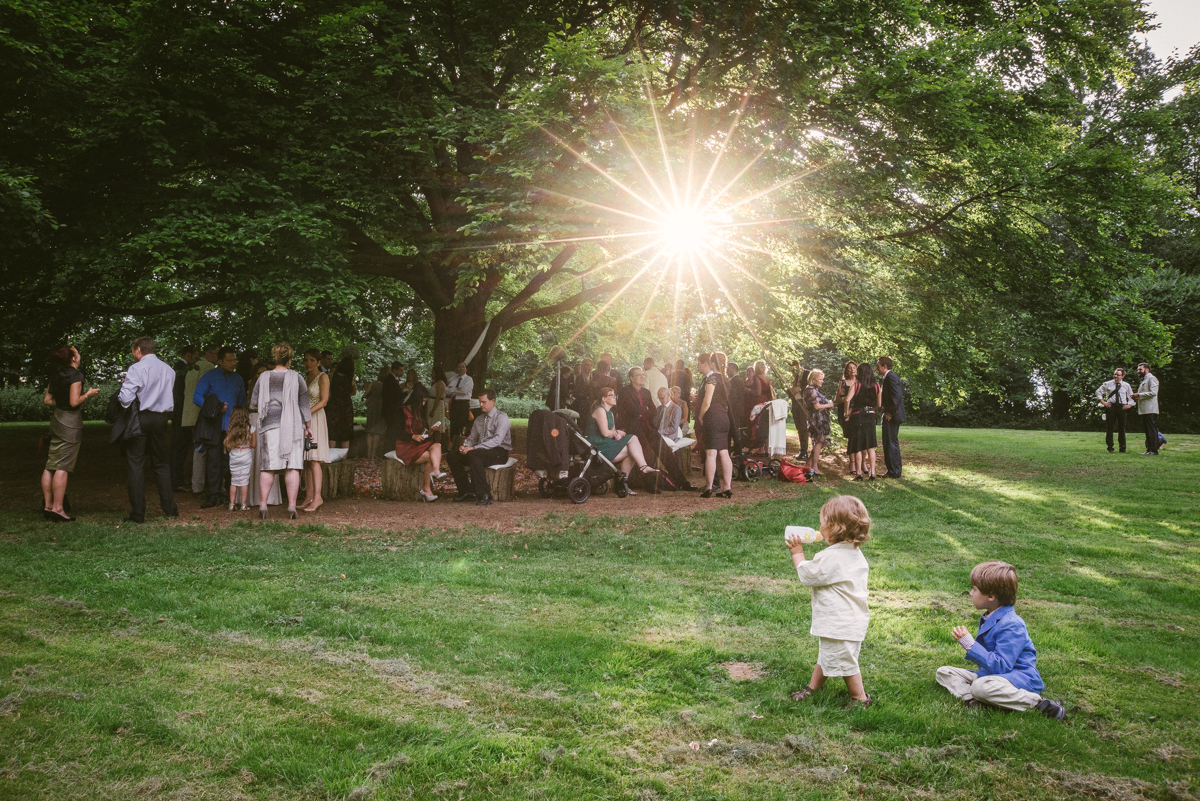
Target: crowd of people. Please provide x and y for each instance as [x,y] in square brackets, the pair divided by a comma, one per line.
[225,426]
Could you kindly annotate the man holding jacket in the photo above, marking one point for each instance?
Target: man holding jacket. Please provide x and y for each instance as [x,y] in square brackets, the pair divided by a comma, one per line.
[1147,403]
[230,390]
[1116,397]
[151,383]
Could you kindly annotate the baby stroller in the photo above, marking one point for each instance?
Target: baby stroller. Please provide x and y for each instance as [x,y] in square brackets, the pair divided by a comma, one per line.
[566,462]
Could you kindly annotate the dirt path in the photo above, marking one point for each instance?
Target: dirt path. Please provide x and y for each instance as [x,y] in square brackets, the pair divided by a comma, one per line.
[98,487]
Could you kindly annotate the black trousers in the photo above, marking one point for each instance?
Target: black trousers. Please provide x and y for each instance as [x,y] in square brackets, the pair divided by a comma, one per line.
[1150,426]
[216,469]
[891,447]
[470,469]
[1115,415]
[800,418]
[181,449]
[460,418]
[155,442]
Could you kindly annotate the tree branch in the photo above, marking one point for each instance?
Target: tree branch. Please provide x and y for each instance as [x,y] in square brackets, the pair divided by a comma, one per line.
[205,300]
[535,284]
[578,299]
[943,217]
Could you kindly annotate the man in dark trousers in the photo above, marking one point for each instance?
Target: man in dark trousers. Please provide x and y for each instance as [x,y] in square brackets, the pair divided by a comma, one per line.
[1116,397]
[393,407]
[230,390]
[489,443]
[181,438]
[893,415]
[1147,406]
[151,383]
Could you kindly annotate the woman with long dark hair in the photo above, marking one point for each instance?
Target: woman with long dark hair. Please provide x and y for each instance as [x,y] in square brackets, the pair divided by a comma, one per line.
[715,422]
[849,371]
[66,394]
[861,403]
[339,414]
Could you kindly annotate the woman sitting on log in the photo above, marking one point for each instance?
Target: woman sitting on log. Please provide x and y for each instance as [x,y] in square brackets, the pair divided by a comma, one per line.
[420,448]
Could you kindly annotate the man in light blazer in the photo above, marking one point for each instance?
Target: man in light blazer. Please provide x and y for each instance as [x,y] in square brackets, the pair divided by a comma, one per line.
[893,415]
[1147,403]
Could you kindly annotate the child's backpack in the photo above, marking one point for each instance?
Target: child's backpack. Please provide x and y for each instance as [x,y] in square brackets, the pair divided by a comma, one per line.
[794,473]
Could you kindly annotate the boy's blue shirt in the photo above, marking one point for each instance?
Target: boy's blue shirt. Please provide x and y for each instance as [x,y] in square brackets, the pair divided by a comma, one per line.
[1003,648]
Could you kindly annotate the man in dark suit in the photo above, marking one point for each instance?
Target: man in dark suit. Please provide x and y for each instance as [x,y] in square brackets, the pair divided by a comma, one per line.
[393,407]
[893,415]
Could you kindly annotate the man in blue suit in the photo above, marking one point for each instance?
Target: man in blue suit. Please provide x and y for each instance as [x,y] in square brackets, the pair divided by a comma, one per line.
[893,415]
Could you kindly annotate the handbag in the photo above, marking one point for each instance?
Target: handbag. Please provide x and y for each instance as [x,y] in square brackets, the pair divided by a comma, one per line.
[794,473]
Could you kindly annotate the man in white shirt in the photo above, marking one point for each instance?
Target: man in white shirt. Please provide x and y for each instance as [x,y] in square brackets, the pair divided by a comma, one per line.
[1116,397]
[151,383]
[460,391]
[655,380]
[191,412]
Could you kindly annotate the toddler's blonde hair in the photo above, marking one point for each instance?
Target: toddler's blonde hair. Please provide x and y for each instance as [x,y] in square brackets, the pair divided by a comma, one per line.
[844,518]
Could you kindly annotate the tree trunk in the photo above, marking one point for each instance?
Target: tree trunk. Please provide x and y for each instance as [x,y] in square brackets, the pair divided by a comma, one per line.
[456,329]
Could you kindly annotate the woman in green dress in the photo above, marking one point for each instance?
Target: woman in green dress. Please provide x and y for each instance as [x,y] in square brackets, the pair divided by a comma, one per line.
[620,448]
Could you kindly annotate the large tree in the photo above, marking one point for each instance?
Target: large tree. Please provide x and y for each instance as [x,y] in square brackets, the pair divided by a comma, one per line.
[983,169]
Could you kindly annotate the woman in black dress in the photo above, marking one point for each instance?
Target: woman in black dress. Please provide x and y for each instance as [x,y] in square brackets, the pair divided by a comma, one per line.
[839,399]
[65,393]
[714,420]
[860,406]
[339,412]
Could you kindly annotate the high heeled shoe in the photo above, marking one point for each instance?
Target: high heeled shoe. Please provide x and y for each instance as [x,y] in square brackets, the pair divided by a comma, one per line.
[292,515]
[708,493]
[725,494]
[262,513]
[427,497]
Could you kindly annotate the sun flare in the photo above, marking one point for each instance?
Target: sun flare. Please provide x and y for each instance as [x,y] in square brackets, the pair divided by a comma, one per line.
[687,231]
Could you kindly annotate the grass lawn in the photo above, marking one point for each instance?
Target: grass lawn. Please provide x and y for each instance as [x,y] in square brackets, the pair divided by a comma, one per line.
[580,657]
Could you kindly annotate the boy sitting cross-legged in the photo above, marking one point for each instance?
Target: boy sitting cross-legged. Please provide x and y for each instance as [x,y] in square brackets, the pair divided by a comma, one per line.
[1007,674]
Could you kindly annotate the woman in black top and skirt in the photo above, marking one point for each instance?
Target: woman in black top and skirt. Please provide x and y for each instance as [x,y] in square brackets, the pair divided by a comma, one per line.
[861,403]
[65,393]
[715,423]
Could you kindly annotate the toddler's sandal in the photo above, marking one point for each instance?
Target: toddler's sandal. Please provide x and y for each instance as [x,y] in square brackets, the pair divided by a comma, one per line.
[801,695]
[864,703]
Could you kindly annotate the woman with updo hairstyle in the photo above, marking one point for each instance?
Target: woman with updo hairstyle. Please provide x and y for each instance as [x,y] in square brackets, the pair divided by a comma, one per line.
[715,423]
[818,418]
[66,394]
[318,399]
[284,420]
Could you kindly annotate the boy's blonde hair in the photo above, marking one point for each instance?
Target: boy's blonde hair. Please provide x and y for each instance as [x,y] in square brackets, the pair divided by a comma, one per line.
[845,519]
[998,579]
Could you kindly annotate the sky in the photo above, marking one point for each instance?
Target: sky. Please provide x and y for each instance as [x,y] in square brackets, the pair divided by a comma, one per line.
[1179,26]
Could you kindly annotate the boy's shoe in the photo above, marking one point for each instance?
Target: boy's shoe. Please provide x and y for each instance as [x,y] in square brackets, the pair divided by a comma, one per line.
[1051,709]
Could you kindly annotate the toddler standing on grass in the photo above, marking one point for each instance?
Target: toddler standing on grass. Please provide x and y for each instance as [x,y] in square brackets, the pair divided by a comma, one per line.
[838,578]
[1007,674]
[241,454]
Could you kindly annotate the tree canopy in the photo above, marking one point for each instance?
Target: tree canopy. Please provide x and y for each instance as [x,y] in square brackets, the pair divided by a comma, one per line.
[966,185]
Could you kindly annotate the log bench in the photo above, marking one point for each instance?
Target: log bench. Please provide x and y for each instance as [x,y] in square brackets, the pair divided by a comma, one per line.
[337,479]
[400,482]
[501,478]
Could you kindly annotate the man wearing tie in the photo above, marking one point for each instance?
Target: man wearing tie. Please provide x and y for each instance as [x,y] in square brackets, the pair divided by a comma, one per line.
[893,415]
[459,390]
[1116,397]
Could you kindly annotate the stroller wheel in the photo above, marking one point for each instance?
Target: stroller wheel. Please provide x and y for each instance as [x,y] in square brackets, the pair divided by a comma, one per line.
[601,488]
[579,490]
[751,470]
[545,487]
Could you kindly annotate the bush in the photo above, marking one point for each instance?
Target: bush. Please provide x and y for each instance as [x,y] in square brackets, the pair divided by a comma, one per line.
[23,404]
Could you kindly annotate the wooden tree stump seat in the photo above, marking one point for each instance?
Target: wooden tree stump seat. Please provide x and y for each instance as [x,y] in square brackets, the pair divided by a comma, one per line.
[501,478]
[337,479]
[400,482]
